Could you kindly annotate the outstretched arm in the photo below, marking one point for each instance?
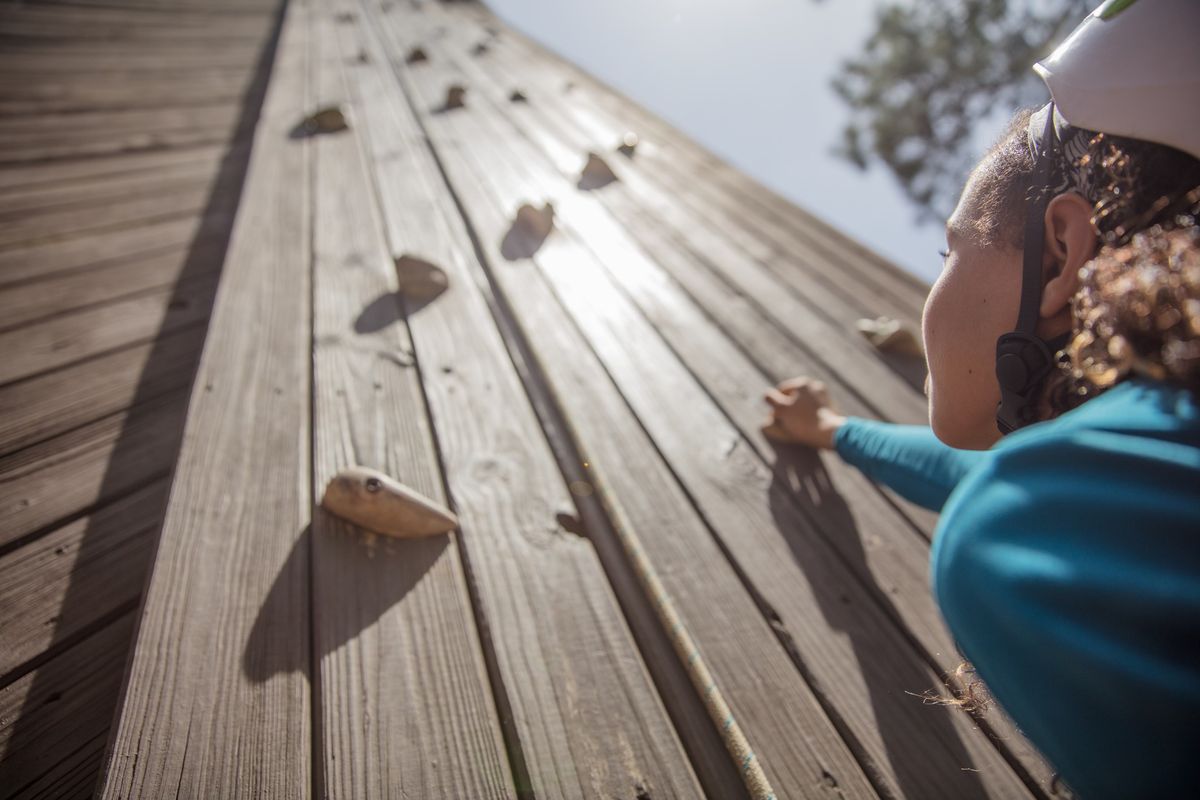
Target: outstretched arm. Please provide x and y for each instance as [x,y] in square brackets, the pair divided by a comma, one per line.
[906,458]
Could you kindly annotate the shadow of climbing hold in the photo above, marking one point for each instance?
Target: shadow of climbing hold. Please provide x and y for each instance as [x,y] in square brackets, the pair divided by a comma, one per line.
[419,279]
[529,230]
[455,97]
[628,145]
[326,120]
[891,336]
[415,56]
[596,173]
[479,49]
[377,502]
[518,96]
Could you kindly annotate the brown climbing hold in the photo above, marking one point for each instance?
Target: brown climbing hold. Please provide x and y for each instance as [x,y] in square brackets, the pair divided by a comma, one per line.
[377,502]
[518,96]
[891,336]
[536,222]
[596,173]
[363,58]
[326,120]
[570,523]
[419,279]
[455,96]
[479,49]
[628,145]
[416,56]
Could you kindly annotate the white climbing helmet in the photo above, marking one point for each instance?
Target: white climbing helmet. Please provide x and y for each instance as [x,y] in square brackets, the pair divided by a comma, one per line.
[1132,68]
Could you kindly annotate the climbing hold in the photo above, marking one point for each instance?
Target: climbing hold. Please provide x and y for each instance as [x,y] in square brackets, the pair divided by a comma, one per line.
[628,145]
[345,17]
[891,336]
[416,56]
[568,86]
[518,96]
[419,279]
[570,522]
[377,502]
[454,97]
[326,120]
[363,58]
[596,173]
[535,222]
[479,49]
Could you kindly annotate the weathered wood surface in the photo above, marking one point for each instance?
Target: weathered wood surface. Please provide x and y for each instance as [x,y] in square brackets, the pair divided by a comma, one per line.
[734,376]
[589,300]
[584,715]
[114,224]
[282,652]
[405,706]
[234,551]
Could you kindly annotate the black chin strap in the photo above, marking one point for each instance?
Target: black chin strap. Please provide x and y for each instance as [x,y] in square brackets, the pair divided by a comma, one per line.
[1023,359]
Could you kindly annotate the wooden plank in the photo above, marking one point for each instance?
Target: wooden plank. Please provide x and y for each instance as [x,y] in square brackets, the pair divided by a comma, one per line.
[191,197]
[727,483]
[61,584]
[61,173]
[751,204]
[405,703]
[886,557]
[220,704]
[45,406]
[820,311]
[797,744]
[55,258]
[70,473]
[53,721]
[43,346]
[586,717]
[111,282]
[38,198]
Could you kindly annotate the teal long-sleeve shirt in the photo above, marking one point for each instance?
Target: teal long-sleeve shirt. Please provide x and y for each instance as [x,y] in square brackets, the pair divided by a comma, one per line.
[1066,563]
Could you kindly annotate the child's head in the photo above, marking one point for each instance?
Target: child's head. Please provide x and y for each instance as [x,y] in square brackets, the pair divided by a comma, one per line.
[1102,189]
[1129,68]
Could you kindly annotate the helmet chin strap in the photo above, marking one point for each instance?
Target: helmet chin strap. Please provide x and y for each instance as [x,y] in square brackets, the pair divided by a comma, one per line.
[1023,359]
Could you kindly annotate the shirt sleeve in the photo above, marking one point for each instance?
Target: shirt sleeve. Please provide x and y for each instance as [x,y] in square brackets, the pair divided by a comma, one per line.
[909,459]
[1068,571]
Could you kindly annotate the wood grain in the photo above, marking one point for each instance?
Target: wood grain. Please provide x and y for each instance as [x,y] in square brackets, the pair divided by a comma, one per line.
[584,712]
[405,703]
[723,483]
[218,696]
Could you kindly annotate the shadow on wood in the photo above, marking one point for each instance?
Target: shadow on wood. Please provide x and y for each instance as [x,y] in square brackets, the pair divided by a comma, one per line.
[800,481]
[378,572]
[205,255]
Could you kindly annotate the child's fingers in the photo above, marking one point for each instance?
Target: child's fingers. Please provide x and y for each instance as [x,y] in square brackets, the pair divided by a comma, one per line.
[777,399]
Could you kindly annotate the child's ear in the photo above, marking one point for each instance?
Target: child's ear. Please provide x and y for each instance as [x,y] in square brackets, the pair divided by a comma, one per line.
[1071,242]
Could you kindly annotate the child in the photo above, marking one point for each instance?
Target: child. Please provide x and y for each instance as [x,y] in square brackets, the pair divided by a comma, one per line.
[1067,558]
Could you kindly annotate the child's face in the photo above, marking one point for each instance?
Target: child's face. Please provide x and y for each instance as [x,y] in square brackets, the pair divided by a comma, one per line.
[973,302]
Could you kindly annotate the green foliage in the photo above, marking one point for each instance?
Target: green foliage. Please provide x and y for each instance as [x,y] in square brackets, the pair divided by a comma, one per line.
[930,71]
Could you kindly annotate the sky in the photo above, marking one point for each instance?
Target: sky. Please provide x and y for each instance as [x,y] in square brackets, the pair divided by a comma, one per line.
[749,80]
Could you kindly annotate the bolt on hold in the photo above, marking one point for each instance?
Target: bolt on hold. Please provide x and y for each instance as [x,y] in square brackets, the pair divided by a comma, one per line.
[628,145]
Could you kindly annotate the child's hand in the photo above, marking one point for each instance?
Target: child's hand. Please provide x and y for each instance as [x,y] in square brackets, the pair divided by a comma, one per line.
[802,413]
